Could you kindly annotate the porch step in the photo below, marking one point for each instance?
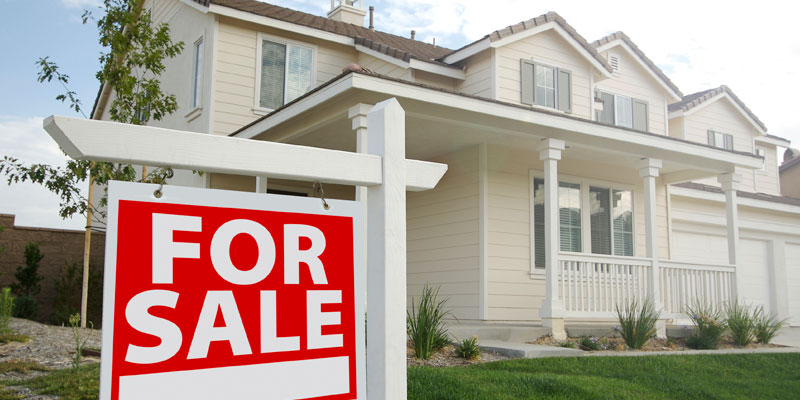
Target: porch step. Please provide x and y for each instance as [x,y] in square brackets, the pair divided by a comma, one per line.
[498,332]
[525,350]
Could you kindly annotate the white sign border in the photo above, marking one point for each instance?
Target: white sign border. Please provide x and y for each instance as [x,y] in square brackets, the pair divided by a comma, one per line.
[118,190]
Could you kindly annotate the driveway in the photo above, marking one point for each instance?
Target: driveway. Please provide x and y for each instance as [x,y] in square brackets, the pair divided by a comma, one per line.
[788,337]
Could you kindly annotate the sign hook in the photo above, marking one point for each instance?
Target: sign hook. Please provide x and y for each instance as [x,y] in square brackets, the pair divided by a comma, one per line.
[321,192]
[166,173]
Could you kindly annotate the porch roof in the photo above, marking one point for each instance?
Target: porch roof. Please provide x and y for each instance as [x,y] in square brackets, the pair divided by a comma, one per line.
[440,121]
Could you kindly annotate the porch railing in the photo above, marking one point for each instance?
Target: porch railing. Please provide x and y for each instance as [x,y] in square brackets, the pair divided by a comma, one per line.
[684,283]
[593,285]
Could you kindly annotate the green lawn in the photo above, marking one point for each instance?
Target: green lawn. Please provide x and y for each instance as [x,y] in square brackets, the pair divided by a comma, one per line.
[747,376]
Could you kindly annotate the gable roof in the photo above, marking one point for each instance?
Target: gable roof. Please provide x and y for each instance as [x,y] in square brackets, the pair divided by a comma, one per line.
[696,99]
[532,23]
[392,45]
[621,36]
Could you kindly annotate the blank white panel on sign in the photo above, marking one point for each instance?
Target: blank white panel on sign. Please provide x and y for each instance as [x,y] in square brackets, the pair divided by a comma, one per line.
[277,381]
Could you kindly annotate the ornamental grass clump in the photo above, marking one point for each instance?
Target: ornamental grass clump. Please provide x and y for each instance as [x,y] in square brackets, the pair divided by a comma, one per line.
[587,343]
[709,325]
[468,348]
[425,323]
[6,308]
[637,322]
[740,319]
[766,325]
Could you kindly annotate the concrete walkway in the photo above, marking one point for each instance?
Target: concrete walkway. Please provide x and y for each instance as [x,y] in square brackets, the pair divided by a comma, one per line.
[525,350]
[788,337]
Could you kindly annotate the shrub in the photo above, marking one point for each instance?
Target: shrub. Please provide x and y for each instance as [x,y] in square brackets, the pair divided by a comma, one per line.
[766,325]
[80,339]
[425,323]
[637,322]
[741,323]
[588,343]
[468,348]
[67,299]
[27,285]
[6,308]
[708,326]
[567,344]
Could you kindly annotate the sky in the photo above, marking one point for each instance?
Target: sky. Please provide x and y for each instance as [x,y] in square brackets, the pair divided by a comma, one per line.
[754,48]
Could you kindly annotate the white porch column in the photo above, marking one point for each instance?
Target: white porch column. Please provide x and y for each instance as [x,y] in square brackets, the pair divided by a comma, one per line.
[730,183]
[261,184]
[552,310]
[648,170]
[358,116]
[386,254]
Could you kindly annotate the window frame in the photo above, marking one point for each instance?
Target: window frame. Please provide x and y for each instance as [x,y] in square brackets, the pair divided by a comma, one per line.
[257,108]
[556,72]
[761,151]
[713,133]
[198,63]
[585,184]
[633,100]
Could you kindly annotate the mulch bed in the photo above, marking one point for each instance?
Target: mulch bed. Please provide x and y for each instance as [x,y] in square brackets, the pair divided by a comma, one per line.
[671,344]
[447,357]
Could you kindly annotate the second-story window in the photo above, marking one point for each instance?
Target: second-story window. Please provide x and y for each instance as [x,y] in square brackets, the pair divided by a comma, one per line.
[545,86]
[286,73]
[721,140]
[622,111]
[197,74]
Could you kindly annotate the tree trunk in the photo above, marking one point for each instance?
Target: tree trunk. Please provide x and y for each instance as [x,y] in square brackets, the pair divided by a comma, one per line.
[87,247]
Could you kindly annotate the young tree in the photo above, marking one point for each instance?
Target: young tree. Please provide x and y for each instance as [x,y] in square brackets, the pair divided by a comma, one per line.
[131,62]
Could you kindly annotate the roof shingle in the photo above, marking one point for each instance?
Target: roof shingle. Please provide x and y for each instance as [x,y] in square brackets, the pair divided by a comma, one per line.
[695,99]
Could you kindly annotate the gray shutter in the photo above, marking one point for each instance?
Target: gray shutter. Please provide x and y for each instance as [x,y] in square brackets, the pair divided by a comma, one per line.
[564,90]
[606,116]
[711,138]
[728,141]
[526,81]
[640,115]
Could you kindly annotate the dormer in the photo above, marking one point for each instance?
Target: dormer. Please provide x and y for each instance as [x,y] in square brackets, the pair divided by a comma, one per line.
[542,62]
[637,93]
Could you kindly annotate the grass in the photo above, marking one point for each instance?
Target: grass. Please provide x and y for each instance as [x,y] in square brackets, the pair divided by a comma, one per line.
[69,384]
[16,366]
[746,376]
[13,337]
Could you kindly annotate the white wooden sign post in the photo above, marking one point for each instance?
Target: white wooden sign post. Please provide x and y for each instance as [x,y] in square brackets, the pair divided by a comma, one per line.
[384,170]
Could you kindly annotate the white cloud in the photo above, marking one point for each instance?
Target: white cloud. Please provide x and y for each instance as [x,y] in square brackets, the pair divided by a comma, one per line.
[24,139]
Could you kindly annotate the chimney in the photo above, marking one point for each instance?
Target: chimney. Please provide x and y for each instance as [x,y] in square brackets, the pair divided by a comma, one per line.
[371,18]
[413,33]
[349,11]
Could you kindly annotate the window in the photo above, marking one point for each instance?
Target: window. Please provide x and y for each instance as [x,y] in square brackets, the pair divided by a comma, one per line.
[545,86]
[622,111]
[286,73]
[569,213]
[609,220]
[720,140]
[197,74]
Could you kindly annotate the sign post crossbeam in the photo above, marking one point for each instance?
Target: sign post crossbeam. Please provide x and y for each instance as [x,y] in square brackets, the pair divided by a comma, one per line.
[146,145]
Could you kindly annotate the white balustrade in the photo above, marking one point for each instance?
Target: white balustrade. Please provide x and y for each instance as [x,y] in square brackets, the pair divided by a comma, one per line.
[683,284]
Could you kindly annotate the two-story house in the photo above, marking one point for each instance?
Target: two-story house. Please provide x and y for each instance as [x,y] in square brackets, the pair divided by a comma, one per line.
[580,177]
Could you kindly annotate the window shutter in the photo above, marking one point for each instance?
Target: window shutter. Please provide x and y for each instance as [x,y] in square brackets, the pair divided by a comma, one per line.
[711,138]
[564,88]
[526,81]
[640,115]
[606,116]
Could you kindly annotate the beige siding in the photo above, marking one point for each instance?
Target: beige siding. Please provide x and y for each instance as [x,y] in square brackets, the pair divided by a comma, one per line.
[478,75]
[676,127]
[634,81]
[379,66]
[790,182]
[513,293]
[766,181]
[236,70]
[723,117]
[443,236]
[547,48]
[433,80]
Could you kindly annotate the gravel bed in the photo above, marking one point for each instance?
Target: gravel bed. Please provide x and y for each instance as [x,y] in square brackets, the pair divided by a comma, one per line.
[447,357]
[51,346]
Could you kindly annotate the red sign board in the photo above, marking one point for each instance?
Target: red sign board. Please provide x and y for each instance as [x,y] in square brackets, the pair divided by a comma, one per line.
[214,294]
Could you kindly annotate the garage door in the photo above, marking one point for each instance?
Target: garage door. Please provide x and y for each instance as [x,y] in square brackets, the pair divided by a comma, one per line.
[793,275]
[699,247]
[754,272]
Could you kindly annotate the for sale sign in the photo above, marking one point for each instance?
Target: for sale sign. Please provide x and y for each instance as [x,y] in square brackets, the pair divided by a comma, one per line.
[213,294]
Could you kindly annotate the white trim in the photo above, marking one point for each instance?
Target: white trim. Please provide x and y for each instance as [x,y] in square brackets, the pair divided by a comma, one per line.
[212,77]
[286,42]
[744,201]
[198,72]
[724,95]
[196,6]
[437,69]
[468,51]
[644,144]
[773,141]
[383,57]
[495,82]
[286,26]
[483,229]
[642,64]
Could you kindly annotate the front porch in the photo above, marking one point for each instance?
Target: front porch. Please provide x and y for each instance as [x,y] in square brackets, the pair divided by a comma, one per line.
[479,235]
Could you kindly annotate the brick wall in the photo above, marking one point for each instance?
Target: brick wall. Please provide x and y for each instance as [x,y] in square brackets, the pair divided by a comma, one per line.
[59,246]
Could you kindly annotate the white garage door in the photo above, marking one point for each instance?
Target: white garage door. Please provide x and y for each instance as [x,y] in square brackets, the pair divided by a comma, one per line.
[754,272]
[713,249]
[699,247]
[793,275]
